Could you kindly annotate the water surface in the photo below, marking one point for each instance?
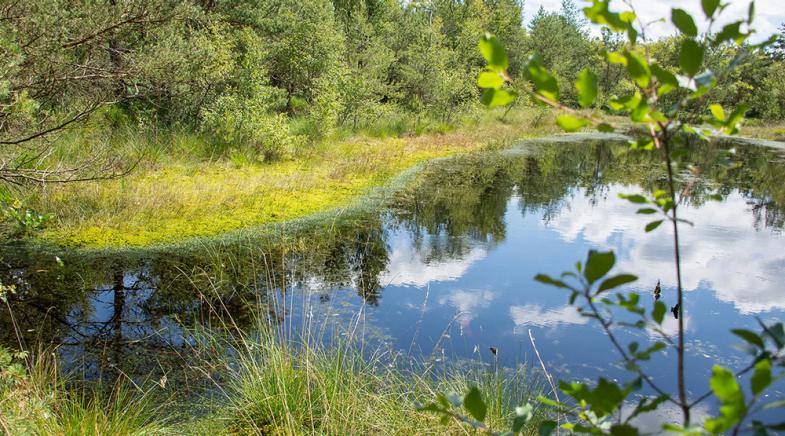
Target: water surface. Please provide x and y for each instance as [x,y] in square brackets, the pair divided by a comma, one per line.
[445,271]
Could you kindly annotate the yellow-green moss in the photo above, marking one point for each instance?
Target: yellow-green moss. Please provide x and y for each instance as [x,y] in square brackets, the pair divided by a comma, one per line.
[169,201]
[184,201]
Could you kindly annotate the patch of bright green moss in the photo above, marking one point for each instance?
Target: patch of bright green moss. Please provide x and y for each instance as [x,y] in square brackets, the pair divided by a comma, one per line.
[187,201]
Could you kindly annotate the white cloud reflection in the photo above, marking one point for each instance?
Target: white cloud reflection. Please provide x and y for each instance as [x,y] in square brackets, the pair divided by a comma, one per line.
[467,303]
[408,266]
[722,251]
[535,315]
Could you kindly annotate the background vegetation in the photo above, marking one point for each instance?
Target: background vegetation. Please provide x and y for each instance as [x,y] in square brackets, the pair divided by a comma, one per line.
[262,77]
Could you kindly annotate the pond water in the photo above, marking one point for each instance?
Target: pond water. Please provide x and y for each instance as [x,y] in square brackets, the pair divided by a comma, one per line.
[444,272]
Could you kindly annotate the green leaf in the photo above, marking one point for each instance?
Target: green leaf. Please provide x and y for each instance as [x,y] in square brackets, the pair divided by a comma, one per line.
[430,407]
[724,385]
[493,52]
[761,378]
[598,13]
[653,225]
[616,281]
[605,128]
[735,118]
[750,337]
[668,81]
[490,79]
[616,58]
[603,400]
[570,123]
[641,113]
[690,57]
[547,427]
[623,430]
[598,264]
[634,198]
[775,332]
[497,97]
[717,112]
[638,68]
[729,32]
[709,7]
[684,22]
[474,404]
[646,211]
[548,280]
[647,405]
[544,82]
[658,312]
[587,87]
[629,102]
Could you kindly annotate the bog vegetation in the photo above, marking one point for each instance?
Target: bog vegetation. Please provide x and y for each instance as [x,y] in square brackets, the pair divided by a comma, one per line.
[270,74]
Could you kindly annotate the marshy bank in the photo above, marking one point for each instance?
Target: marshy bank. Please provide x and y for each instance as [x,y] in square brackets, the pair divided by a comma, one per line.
[185,186]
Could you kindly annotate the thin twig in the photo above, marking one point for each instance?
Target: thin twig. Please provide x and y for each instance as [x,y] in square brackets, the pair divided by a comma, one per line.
[549,378]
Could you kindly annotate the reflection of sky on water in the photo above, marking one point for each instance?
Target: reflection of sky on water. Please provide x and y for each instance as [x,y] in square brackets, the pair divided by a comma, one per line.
[721,252]
[409,266]
[486,296]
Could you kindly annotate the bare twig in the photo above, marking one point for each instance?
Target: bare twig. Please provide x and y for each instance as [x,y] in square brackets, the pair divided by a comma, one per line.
[549,378]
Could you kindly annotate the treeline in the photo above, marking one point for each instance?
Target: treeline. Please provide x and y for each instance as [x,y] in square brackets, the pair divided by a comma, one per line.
[247,71]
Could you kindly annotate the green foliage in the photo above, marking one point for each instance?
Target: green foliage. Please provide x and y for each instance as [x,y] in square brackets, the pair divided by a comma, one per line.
[331,66]
[12,370]
[26,220]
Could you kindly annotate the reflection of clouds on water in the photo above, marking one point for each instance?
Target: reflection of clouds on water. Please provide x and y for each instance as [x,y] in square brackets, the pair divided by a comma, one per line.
[722,250]
[467,302]
[407,265]
[535,315]
[669,326]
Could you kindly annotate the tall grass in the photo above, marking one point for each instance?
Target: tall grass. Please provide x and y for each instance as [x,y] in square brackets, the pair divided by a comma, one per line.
[42,402]
[276,387]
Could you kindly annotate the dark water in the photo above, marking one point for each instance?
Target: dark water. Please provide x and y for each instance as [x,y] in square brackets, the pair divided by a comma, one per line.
[446,270]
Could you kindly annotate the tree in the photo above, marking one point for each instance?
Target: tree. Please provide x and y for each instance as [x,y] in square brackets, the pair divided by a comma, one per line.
[778,48]
[60,63]
[563,46]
